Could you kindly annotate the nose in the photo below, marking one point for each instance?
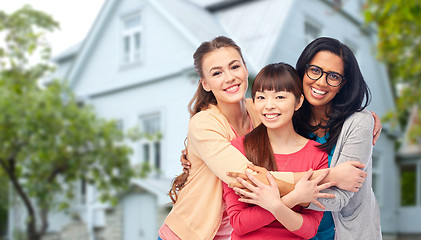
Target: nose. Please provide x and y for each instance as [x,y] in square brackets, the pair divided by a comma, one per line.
[269,104]
[229,76]
[322,80]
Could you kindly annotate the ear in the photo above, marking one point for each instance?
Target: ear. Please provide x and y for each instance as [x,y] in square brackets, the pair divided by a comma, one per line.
[205,85]
[299,102]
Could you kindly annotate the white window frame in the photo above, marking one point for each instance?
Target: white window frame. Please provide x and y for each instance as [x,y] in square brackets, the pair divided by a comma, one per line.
[151,158]
[417,164]
[134,55]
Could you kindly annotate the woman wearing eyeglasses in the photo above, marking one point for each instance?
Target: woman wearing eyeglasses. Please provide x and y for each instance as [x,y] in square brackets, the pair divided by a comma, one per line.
[333,114]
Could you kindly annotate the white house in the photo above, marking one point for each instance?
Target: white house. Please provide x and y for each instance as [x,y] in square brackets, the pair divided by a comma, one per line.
[136,66]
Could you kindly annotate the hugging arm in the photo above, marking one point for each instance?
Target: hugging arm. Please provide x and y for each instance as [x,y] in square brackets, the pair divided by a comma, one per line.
[303,223]
[354,144]
[208,139]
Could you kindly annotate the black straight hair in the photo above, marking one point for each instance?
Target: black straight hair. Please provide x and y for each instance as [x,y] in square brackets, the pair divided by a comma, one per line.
[354,95]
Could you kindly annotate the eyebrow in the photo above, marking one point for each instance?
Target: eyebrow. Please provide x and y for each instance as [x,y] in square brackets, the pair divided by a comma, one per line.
[326,71]
[219,67]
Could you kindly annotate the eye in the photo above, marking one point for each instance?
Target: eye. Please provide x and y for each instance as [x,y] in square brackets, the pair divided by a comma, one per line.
[260,97]
[235,66]
[280,97]
[334,76]
[216,73]
[315,70]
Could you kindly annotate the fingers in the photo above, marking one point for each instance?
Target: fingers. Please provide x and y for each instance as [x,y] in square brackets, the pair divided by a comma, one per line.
[254,180]
[325,186]
[242,192]
[255,168]
[271,180]
[376,136]
[237,174]
[184,162]
[247,200]
[307,175]
[236,184]
[357,164]
[322,176]
[325,195]
[317,203]
[246,184]
[377,127]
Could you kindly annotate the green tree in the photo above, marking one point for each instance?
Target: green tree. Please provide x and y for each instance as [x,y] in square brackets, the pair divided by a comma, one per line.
[3,204]
[398,24]
[47,141]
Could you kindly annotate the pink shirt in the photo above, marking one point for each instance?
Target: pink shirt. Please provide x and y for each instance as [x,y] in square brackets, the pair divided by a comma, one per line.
[253,222]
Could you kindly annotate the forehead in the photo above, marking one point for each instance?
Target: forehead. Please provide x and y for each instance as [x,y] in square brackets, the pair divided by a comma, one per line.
[220,57]
[328,62]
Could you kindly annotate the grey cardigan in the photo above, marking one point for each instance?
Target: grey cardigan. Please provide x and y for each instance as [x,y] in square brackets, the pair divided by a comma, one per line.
[356,215]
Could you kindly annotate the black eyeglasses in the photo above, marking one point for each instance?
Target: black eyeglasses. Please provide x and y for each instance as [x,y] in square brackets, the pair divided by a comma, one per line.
[314,72]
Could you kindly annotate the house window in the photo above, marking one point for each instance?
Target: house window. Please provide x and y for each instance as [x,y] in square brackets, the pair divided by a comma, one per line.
[131,38]
[311,31]
[151,143]
[408,183]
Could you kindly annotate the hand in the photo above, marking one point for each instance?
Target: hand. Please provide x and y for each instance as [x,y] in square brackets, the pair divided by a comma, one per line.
[184,162]
[307,190]
[265,196]
[377,127]
[259,173]
[349,175]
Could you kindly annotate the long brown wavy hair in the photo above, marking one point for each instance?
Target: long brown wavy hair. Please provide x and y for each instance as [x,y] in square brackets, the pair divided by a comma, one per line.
[278,77]
[201,98]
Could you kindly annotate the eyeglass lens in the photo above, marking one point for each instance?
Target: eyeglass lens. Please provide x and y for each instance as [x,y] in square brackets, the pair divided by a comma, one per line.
[332,78]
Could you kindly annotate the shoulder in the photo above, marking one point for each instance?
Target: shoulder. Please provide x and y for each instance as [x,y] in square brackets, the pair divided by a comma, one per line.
[361,119]
[313,146]
[208,116]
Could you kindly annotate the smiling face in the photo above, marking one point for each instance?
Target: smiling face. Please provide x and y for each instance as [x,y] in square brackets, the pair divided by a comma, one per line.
[276,108]
[225,74]
[317,92]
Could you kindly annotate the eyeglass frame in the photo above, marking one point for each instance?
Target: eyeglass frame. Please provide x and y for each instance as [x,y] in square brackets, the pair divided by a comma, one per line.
[327,74]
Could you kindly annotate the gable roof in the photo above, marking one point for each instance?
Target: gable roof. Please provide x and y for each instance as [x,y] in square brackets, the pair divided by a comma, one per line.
[179,13]
[256,26]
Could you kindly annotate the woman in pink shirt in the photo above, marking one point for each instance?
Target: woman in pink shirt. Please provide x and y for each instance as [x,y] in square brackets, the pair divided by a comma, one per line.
[274,145]
[219,114]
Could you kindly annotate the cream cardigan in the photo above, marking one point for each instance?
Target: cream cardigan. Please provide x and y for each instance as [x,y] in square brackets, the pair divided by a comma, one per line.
[198,211]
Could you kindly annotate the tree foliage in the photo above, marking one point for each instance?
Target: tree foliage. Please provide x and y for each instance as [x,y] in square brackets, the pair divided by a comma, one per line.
[399,46]
[47,141]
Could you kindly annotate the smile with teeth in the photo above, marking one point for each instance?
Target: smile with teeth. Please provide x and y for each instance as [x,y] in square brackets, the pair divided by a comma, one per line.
[271,115]
[319,92]
[232,88]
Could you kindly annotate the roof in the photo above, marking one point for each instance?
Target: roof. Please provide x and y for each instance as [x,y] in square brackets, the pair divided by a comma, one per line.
[203,28]
[255,24]
[178,13]
[68,53]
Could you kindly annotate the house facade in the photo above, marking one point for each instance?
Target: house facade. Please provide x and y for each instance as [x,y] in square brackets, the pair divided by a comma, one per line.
[135,66]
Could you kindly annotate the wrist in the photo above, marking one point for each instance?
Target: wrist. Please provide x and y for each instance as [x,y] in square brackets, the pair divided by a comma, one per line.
[290,200]
[331,176]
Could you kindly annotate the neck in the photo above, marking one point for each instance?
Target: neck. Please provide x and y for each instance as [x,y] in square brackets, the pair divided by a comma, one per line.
[319,117]
[285,140]
[236,115]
